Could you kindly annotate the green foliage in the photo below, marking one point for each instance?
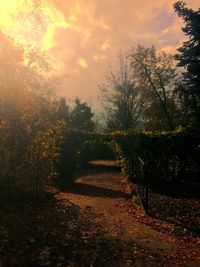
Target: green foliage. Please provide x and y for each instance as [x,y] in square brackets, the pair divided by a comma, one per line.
[70,152]
[188,57]
[62,112]
[81,116]
[29,135]
[155,74]
[78,148]
[78,117]
[29,146]
[144,91]
[168,156]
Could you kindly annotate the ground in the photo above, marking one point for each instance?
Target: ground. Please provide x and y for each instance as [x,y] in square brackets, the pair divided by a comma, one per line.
[90,223]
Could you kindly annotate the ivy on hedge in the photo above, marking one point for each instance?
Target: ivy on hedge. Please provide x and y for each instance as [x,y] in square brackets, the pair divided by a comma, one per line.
[78,148]
[172,156]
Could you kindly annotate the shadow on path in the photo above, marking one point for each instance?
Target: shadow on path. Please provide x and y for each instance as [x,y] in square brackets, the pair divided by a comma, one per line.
[101,179]
[94,191]
[53,233]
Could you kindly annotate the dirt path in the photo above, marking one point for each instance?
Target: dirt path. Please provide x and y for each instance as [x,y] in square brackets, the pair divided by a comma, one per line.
[98,194]
[91,223]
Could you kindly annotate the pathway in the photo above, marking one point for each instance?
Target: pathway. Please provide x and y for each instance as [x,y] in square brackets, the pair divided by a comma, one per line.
[122,240]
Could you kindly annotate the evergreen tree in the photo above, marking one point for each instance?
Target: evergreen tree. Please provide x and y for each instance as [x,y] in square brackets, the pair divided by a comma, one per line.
[81,116]
[63,110]
[189,57]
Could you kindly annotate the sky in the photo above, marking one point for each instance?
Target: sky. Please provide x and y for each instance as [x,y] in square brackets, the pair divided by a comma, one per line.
[83,37]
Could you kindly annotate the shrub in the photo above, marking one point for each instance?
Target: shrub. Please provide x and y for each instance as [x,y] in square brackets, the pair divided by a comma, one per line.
[171,156]
[78,148]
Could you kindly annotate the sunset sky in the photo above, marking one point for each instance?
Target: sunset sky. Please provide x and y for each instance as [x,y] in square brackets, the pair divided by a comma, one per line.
[83,37]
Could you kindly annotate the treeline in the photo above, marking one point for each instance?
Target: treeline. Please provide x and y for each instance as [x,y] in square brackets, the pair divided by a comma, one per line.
[156,90]
[78,115]
[37,138]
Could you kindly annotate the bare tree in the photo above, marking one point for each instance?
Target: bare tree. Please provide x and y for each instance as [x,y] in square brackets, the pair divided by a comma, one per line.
[120,97]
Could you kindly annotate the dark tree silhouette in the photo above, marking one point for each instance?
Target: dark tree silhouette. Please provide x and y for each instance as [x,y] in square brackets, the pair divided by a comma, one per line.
[189,57]
[81,116]
[155,75]
[63,110]
[120,97]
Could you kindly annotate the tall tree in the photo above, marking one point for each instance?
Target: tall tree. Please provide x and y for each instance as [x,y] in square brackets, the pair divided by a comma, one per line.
[120,97]
[155,76]
[189,57]
[28,131]
[81,116]
[62,110]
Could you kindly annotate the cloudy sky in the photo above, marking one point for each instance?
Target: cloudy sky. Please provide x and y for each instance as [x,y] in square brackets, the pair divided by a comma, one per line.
[82,37]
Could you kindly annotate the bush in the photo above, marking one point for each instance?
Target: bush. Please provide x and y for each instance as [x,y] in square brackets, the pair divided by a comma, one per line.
[29,132]
[172,156]
[29,148]
[78,148]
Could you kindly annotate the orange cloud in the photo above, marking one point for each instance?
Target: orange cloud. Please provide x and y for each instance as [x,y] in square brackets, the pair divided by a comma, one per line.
[83,63]
[79,34]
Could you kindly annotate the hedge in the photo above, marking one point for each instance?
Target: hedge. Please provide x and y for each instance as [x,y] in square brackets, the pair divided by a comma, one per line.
[78,148]
[170,156]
